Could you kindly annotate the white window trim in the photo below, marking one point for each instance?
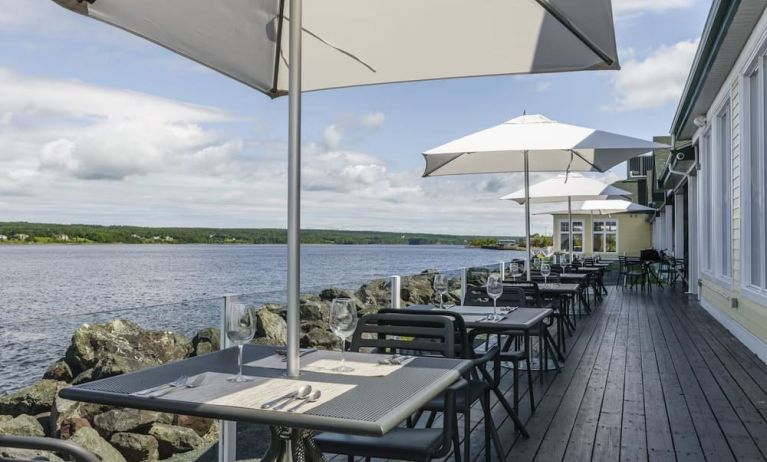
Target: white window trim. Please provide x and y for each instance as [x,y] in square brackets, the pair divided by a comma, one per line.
[711,177]
[756,62]
[582,233]
[603,233]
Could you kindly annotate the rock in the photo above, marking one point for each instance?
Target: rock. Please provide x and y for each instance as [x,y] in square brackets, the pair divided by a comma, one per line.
[271,330]
[90,439]
[200,425]
[477,276]
[44,419]
[65,414]
[5,418]
[60,371]
[329,294]
[173,439]
[23,425]
[104,350]
[70,425]
[35,399]
[374,296]
[320,338]
[206,341]
[313,308]
[26,454]
[127,420]
[419,289]
[135,447]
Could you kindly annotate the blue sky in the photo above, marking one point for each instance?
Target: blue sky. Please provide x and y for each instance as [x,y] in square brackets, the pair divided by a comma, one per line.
[98,126]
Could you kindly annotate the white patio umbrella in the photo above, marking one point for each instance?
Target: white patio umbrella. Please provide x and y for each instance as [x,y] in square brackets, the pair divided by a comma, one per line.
[573,186]
[603,207]
[533,143]
[281,47]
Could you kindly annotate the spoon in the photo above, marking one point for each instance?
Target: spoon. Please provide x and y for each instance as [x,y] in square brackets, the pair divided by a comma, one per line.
[302,393]
[313,397]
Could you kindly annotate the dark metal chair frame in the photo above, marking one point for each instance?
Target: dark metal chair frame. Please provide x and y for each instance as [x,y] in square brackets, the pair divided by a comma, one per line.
[66,448]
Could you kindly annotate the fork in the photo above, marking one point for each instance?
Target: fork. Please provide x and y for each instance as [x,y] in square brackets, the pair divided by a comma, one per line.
[190,382]
[176,383]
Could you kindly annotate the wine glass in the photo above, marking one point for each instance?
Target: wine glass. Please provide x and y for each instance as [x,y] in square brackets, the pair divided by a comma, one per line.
[440,286]
[240,329]
[516,271]
[343,322]
[545,271]
[494,290]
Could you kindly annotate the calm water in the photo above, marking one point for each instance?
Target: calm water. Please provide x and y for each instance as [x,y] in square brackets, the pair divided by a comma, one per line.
[47,291]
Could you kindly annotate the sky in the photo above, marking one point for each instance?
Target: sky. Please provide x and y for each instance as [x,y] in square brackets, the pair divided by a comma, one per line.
[98,126]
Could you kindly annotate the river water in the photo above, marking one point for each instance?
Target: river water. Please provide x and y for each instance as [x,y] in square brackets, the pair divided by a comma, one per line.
[46,292]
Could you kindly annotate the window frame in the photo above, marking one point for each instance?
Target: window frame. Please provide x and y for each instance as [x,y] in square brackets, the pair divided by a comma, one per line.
[758,64]
[562,234]
[716,160]
[603,234]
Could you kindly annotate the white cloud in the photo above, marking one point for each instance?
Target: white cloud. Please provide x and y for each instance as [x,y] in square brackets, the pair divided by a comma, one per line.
[623,6]
[352,127]
[656,80]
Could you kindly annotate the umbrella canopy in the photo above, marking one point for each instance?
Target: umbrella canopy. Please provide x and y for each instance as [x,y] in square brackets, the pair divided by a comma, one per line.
[552,147]
[574,186]
[570,187]
[283,47]
[363,42]
[533,143]
[608,207]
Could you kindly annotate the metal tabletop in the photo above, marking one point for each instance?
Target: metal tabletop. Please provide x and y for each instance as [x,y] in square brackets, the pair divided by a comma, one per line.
[590,269]
[375,406]
[573,276]
[558,288]
[519,319]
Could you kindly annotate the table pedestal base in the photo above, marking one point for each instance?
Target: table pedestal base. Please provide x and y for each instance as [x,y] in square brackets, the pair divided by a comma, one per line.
[292,445]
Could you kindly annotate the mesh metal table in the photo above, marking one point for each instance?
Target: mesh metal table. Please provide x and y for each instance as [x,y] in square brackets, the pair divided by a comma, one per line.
[375,405]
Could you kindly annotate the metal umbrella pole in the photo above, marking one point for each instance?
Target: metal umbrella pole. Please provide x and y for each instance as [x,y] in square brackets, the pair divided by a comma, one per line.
[570,225]
[527,219]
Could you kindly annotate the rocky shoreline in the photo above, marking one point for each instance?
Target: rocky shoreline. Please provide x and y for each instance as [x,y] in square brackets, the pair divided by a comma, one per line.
[119,346]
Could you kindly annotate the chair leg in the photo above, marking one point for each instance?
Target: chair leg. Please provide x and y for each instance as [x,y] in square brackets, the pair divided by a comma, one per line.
[490,428]
[467,432]
[430,421]
[349,458]
[457,440]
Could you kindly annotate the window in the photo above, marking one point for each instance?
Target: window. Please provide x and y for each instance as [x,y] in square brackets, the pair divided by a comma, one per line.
[605,236]
[715,150]
[723,203]
[564,236]
[754,178]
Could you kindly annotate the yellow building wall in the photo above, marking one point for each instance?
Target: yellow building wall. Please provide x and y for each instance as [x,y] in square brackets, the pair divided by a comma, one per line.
[747,320]
[634,233]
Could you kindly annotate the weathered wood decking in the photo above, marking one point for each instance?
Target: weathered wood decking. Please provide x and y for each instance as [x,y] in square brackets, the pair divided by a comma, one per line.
[648,376]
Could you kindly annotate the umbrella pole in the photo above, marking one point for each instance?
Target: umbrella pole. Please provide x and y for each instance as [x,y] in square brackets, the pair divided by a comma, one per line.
[527,219]
[294,189]
[570,226]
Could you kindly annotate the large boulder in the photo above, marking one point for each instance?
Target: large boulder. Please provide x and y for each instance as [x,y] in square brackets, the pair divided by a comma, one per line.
[35,399]
[26,454]
[90,439]
[127,420]
[419,289]
[374,295]
[312,308]
[206,341]
[318,337]
[103,350]
[136,447]
[173,439]
[271,329]
[23,425]
[201,425]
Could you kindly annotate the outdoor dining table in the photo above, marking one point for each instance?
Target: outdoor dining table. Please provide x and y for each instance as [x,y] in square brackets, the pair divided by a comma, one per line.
[599,271]
[566,292]
[360,404]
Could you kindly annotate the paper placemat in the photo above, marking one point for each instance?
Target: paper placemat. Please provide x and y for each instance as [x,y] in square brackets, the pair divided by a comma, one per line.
[360,368]
[254,397]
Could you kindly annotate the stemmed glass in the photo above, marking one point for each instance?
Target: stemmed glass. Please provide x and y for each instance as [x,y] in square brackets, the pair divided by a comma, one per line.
[440,286]
[343,322]
[240,329]
[515,270]
[495,290]
[545,271]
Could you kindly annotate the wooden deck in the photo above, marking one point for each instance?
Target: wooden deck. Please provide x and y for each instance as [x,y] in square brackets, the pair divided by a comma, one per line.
[648,376]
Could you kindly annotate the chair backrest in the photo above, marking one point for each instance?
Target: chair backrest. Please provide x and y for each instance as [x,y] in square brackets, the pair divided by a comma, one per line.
[513,296]
[66,448]
[477,296]
[530,288]
[418,333]
[553,277]
[463,348]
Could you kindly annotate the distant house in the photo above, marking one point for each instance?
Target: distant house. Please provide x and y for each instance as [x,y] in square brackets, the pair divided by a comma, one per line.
[62,237]
[21,237]
[3,237]
[507,243]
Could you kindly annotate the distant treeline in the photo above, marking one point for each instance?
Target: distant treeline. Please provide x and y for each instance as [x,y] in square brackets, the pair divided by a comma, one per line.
[43,233]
